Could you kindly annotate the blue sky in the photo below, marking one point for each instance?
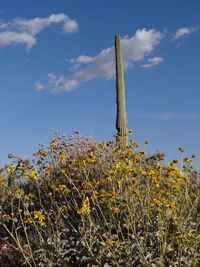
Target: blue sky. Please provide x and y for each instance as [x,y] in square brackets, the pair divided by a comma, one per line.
[57,71]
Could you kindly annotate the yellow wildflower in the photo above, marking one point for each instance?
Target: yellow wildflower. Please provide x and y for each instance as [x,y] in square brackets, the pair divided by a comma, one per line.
[62,155]
[186,236]
[169,205]
[157,179]
[11,168]
[109,178]
[62,188]
[29,220]
[33,176]
[2,180]
[63,208]
[159,166]
[63,171]
[31,196]
[174,220]
[170,164]
[118,164]
[151,173]
[187,160]
[42,152]
[40,217]
[87,184]
[53,143]
[143,172]
[85,209]
[103,191]
[91,157]
[114,210]
[194,195]
[109,242]
[119,184]
[49,167]
[157,202]
[19,193]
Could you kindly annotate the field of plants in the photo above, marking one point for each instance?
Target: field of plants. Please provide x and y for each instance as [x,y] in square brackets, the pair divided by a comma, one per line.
[81,202]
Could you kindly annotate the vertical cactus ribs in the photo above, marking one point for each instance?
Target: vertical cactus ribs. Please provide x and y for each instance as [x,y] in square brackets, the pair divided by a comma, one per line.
[121,121]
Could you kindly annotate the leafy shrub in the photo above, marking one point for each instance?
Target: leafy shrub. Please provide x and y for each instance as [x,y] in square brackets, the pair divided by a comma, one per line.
[87,203]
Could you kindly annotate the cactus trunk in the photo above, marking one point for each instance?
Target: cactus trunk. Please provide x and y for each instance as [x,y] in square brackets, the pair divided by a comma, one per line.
[121,122]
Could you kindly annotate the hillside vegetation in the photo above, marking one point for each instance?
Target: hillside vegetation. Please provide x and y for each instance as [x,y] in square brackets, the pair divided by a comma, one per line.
[80,202]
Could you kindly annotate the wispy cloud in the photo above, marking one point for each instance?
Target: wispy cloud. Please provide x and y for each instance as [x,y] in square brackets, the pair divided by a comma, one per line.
[10,37]
[24,31]
[169,115]
[182,32]
[153,61]
[86,68]
[38,86]
[36,25]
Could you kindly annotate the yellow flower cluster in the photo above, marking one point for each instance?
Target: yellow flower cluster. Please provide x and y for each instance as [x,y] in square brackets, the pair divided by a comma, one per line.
[62,155]
[54,143]
[126,192]
[187,160]
[35,216]
[89,159]
[33,175]
[63,208]
[39,216]
[11,169]
[85,209]
[158,202]
[2,180]
[109,243]
[42,152]
[107,196]
[61,187]
[114,209]
[57,187]
[186,236]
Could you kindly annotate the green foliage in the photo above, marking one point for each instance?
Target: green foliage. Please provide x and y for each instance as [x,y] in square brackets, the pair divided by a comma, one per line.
[87,203]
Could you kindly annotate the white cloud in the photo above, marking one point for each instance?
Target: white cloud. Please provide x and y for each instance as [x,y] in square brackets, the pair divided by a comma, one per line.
[70,26]
[169,115]
[36,25]
[38,85]
[60,83]
[23,31]
[182,32]
[82,59]
[153,61]
[9,37]
[102,65]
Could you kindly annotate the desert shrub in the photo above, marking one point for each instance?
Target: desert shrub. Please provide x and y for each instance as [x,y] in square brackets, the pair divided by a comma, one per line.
[80,202]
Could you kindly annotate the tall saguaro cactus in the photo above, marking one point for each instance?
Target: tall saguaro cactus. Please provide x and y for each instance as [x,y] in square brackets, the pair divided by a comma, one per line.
[121,122]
